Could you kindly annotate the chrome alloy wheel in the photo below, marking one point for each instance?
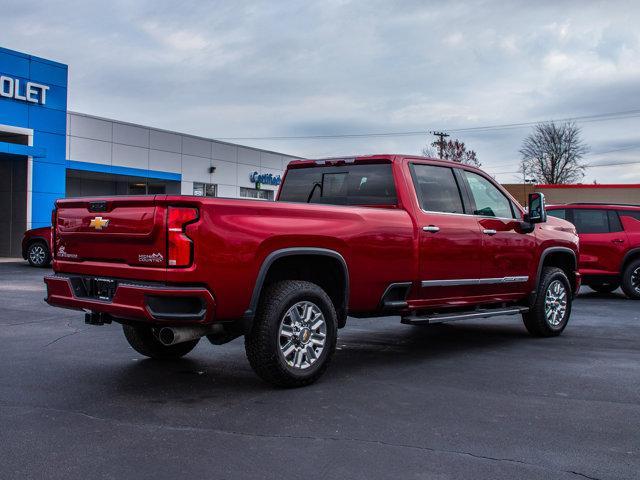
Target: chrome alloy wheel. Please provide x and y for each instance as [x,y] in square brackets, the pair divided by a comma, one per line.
[302,335]
[555,303]
[37,254]
[635,279]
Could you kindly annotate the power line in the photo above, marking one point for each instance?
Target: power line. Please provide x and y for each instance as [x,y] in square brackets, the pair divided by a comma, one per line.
[610,164]
[628,147]
[600,117]
[594,165]
[580,119]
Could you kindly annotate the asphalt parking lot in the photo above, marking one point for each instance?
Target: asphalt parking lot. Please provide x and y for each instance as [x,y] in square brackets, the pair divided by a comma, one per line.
[477,400]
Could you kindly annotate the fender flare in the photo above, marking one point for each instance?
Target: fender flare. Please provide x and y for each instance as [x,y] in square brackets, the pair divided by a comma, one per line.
[544,255]
[288,252]
[627,256]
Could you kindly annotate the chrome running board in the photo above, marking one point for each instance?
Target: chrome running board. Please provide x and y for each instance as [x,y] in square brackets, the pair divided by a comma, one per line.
[434,318]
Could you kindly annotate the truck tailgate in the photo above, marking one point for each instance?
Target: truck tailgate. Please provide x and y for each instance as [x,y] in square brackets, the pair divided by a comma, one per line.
[126,231]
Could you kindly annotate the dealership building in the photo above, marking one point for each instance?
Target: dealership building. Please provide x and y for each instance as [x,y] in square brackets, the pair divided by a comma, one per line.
[47,152]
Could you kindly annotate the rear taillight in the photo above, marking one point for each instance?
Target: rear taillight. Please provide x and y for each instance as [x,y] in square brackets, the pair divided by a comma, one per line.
[52,233]
[180,252]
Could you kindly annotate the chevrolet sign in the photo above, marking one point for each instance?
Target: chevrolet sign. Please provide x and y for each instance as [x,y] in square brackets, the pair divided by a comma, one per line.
[27,92]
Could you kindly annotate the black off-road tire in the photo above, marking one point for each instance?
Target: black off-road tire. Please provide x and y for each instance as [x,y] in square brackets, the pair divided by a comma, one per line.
[604,287]
[630,280]
[38,254]
[143,341]
[262,343]
[535,320]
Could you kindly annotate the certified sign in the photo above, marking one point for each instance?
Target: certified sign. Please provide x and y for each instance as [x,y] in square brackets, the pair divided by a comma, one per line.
[266,179]
[25,91]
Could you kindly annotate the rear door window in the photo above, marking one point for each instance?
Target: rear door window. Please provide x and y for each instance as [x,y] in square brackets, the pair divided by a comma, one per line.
[591,221]
[437,188]
[614,221]
[357,184]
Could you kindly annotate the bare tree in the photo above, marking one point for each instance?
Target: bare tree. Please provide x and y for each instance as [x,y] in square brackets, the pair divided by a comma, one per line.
[454,150]
[552,153]
[429,151]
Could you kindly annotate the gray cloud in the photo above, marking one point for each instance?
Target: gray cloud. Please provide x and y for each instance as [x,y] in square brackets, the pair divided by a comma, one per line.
[230,68]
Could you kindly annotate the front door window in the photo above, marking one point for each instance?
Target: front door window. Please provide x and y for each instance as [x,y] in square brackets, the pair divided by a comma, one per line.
[489,201]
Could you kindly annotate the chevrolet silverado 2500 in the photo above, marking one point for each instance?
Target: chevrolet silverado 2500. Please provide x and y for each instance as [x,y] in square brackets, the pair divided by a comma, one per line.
[429,240]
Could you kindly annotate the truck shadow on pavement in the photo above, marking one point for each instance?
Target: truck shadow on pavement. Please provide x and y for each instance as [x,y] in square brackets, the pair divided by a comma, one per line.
[615,295]
[224,370]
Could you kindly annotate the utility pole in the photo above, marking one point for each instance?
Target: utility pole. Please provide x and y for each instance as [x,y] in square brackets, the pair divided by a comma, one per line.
[440,143]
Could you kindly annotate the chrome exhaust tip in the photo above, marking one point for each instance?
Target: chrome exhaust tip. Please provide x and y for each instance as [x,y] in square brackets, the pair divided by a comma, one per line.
[168,336]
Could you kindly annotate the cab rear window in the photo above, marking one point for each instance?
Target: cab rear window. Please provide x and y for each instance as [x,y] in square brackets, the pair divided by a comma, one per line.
[356,184]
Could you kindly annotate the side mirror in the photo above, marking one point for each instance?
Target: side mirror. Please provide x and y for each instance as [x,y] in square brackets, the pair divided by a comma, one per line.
[537,211]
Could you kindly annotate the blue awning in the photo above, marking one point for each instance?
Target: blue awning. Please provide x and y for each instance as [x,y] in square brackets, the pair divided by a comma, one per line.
[118,170]
[16,149]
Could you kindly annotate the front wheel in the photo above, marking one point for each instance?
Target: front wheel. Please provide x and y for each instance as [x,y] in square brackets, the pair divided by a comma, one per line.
[142,340]
[631,280]
[293,336]
[549,315]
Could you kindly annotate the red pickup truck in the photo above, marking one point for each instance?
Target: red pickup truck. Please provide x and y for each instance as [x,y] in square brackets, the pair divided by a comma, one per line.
[428,240]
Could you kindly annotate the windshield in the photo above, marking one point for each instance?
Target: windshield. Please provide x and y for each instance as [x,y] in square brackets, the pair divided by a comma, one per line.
[357,184]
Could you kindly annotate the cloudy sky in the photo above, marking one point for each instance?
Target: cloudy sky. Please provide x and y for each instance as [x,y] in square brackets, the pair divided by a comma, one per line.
[262,69]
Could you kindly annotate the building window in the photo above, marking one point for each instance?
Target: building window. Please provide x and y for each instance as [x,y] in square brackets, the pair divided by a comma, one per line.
[156,189]
[137,189]
[205,189]
[143,188]
[255,193]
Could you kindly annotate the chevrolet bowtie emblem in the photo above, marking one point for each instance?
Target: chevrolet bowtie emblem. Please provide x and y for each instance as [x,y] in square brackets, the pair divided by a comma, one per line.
[99,223]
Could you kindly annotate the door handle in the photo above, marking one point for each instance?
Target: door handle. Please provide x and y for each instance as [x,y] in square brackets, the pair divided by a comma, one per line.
[617,240]
[489,231]
[431,228]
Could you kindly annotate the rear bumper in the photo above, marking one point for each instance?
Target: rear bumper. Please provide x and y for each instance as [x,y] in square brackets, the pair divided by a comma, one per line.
[153,303]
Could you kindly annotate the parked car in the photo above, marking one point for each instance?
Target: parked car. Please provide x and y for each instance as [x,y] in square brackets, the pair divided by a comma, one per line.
[609,244]
[428,240]
[36,248]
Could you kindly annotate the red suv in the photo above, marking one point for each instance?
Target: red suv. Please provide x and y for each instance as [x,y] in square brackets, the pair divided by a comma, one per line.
[609,244]
[36,246]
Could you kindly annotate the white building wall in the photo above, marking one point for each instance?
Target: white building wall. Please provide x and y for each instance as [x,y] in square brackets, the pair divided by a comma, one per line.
[113,143]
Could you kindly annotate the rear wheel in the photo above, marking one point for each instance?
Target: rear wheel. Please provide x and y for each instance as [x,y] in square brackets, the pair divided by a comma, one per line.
[143,341]
[604,287]
[294,334]
[549,315]
[38,254]
[631,280]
